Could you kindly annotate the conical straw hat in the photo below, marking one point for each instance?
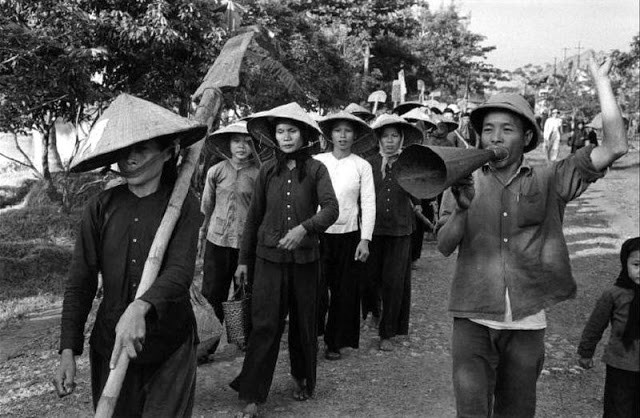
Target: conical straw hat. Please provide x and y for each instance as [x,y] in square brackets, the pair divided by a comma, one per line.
[261,125]
[405,107]
[417,114]
[128,121]
[222,137]
[359,111]
[221,140]
[451,124]
[412,135]
[364,140]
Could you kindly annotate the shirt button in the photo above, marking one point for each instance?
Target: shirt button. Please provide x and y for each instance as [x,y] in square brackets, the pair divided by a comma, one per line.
[133,261]
[135,219]
[288,193]
[288,206]
[289,181]
[135,240]
[504,214]
[135,285]
[505,239]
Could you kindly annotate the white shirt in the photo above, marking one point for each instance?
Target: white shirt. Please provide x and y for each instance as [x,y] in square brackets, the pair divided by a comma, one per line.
[536,321]
[552,128]
[352,178]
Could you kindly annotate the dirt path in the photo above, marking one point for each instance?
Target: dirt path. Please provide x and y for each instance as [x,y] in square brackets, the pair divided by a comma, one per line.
[413,380]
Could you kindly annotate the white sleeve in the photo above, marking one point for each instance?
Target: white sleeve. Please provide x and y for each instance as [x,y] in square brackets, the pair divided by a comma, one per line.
[367,201]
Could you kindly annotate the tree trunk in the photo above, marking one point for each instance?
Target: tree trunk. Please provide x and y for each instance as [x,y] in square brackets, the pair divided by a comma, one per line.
[44,158]
[55,162]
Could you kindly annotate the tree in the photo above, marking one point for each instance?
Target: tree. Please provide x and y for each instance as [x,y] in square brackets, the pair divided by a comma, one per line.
[627,76]
[449,53]
[295,63]
[46,67]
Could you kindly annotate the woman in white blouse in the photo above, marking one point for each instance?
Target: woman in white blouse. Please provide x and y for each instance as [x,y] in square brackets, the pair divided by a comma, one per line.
[345,245]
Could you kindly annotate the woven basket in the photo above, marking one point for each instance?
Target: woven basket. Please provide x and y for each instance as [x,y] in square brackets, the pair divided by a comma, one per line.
[237,316]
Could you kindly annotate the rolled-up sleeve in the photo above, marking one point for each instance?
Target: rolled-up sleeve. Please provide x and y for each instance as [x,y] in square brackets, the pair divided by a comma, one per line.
[575,173]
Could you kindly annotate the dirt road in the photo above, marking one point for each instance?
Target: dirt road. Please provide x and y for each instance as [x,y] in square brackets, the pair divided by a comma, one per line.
[413,380]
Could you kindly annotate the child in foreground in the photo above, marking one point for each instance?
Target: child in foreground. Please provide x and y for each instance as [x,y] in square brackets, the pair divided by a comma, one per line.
[619,306]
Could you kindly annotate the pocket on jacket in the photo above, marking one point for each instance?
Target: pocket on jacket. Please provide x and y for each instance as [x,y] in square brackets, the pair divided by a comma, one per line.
[531,209]
[219,225]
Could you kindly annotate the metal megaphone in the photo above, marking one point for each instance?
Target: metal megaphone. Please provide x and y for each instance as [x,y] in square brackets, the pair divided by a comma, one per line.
[426,171]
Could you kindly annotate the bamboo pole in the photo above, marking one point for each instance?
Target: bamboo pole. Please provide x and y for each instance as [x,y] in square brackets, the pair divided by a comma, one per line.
[206,112]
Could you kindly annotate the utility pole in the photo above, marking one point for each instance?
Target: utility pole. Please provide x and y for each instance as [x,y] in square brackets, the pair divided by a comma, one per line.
[564,54]
[554,66]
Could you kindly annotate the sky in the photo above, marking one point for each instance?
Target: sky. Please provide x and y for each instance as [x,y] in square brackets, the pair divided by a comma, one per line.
[536,31]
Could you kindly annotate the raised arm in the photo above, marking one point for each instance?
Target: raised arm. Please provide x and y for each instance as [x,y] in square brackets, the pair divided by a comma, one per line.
[614,140]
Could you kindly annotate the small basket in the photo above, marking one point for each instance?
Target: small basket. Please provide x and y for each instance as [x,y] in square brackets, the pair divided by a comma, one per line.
[237,316]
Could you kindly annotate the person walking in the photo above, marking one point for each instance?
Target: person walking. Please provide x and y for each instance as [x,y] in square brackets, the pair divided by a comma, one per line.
[225,202]
[619,306]
[552,135]
[344,246]
[513,262]
[157,330]
[389,265]
[579,137]
[281,240]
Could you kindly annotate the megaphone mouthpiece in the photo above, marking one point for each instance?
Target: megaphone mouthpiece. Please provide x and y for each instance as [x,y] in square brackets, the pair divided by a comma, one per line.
[500,153]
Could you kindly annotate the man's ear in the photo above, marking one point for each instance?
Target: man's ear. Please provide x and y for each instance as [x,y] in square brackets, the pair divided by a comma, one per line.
[528,136]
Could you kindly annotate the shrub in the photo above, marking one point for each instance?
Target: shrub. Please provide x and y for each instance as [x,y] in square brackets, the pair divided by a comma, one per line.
[35,270]
[45,223]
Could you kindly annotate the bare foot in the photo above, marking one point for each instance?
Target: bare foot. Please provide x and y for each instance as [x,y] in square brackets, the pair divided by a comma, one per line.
[249,411]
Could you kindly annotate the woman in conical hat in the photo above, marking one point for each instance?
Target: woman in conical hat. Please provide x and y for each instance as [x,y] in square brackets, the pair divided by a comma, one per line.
[389,262]
[359,111]
[345,244]
[421,120]
[225,202]
[281,240]
[155,329]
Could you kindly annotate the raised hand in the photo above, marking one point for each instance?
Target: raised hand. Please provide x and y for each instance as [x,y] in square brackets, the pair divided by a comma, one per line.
[464,192]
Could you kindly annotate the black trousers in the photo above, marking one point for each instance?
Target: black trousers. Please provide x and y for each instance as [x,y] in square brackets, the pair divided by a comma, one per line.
[621,393]
[166,389]
[280,289]
[389,273]
[341,273]
[495,371]
[220,264]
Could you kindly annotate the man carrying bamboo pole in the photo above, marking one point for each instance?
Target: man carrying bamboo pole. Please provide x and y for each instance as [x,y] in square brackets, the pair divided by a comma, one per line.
[157,328]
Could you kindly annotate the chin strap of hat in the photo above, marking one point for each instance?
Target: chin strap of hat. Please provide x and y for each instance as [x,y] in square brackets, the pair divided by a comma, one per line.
[172,149]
